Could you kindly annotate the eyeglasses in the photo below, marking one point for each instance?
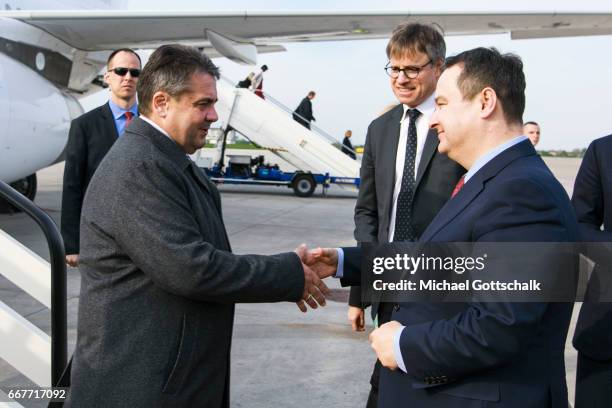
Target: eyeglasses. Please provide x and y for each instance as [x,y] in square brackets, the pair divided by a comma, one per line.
[409,72]
[135,73]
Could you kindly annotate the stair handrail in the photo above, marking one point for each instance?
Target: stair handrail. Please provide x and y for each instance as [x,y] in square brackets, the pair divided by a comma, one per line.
[59,307]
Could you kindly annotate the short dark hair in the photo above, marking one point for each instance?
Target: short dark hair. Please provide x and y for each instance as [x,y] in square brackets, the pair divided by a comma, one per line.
[264,67]
[531,122]
[110,57]
[312,93]
[169,69]
[487,67]
[417,37]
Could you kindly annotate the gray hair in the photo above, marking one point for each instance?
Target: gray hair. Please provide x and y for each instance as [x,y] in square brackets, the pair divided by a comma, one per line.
[169,69]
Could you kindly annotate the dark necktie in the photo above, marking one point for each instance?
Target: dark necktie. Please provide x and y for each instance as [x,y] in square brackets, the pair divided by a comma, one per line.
[128,118]
[404,230]
[459,186]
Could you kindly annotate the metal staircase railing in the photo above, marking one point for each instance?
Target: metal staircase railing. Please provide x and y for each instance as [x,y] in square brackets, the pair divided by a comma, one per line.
[58,303]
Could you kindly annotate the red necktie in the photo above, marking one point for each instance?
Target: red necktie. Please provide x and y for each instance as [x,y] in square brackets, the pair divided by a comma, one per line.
[459,186]
[128,118]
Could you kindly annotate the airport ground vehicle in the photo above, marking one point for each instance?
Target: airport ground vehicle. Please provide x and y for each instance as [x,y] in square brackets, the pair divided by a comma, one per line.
[242,169]
[245,169]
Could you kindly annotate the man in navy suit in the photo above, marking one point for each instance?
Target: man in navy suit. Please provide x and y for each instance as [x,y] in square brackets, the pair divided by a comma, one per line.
[593,336]
[469,354]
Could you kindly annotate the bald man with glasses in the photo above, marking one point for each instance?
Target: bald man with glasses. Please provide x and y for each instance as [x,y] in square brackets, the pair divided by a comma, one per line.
[404,180]
[91,137]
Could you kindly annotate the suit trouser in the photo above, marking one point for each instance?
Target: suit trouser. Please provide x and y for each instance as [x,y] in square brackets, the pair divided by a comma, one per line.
[593,383]
[384,316]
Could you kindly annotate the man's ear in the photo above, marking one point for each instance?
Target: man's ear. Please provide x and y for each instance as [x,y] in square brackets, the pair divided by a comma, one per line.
[438,68]
[159,103]
[106,75]
[488,102]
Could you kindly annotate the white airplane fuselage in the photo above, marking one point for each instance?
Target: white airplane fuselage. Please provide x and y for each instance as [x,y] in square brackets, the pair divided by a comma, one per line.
[35,117]
[42,71]
[38,77]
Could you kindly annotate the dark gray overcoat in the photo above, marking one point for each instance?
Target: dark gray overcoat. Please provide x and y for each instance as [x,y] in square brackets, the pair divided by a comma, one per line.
[159,281]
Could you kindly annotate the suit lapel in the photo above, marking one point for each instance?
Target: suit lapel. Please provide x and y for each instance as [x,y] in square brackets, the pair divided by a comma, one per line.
[201,178]
[171,149]
[453,207]
[213,193]
[110,129]
[168,147]
[475,185]
[429,150]
[389,152]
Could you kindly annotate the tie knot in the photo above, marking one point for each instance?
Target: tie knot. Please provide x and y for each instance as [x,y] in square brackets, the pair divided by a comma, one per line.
[413,114]
[128,115]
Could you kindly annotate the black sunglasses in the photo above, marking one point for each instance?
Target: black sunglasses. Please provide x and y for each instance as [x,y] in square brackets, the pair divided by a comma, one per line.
[135,73]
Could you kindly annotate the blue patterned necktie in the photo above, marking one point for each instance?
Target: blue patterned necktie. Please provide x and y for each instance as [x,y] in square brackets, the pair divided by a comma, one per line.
[404,231]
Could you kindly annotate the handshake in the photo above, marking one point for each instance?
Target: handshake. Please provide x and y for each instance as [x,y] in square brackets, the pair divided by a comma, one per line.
[322,263]
[318,264]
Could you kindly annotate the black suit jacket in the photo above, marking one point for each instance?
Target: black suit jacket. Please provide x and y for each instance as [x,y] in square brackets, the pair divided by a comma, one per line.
[477,354]
[91,137]
[347,148]
[304,113]
[436,177]
[592,201]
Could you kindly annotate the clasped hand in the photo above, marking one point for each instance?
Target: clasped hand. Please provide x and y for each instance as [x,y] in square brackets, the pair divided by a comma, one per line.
[318,264]
[322,263]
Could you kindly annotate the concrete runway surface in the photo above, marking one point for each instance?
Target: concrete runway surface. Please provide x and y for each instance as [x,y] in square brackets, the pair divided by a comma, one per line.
[280,357]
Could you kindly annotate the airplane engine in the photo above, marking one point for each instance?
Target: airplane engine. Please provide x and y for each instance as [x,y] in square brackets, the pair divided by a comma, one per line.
[34,122]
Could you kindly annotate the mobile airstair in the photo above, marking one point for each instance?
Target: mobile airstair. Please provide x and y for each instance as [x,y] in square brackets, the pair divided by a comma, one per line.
[270,125]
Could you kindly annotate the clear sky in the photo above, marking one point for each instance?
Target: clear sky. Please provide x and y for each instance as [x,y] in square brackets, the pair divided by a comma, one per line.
[568,79]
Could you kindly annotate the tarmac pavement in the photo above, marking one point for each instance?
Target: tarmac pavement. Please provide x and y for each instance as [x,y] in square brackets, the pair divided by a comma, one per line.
[280,357]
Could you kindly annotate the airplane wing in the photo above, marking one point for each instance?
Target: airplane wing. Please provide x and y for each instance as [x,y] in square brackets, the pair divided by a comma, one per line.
[241,35]
[104,30]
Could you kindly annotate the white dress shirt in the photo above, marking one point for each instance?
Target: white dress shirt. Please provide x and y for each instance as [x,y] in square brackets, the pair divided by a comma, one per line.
[422,125]
[156,126]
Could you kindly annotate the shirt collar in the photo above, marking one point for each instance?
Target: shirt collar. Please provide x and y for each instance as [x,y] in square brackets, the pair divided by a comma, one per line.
[163,132]
[118,111]
[426,107]
[490,155]
[156,126]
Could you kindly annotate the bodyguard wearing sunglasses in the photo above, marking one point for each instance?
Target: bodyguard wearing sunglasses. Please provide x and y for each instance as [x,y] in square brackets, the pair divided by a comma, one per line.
[91,137]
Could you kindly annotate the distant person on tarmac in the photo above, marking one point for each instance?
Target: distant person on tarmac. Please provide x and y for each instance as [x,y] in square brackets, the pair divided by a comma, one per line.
[257,82]
[532,131]
[303,113]
[347,146]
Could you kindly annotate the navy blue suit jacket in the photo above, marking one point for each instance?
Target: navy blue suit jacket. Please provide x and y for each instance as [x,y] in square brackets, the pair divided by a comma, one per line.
[487,354]
[593,205]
